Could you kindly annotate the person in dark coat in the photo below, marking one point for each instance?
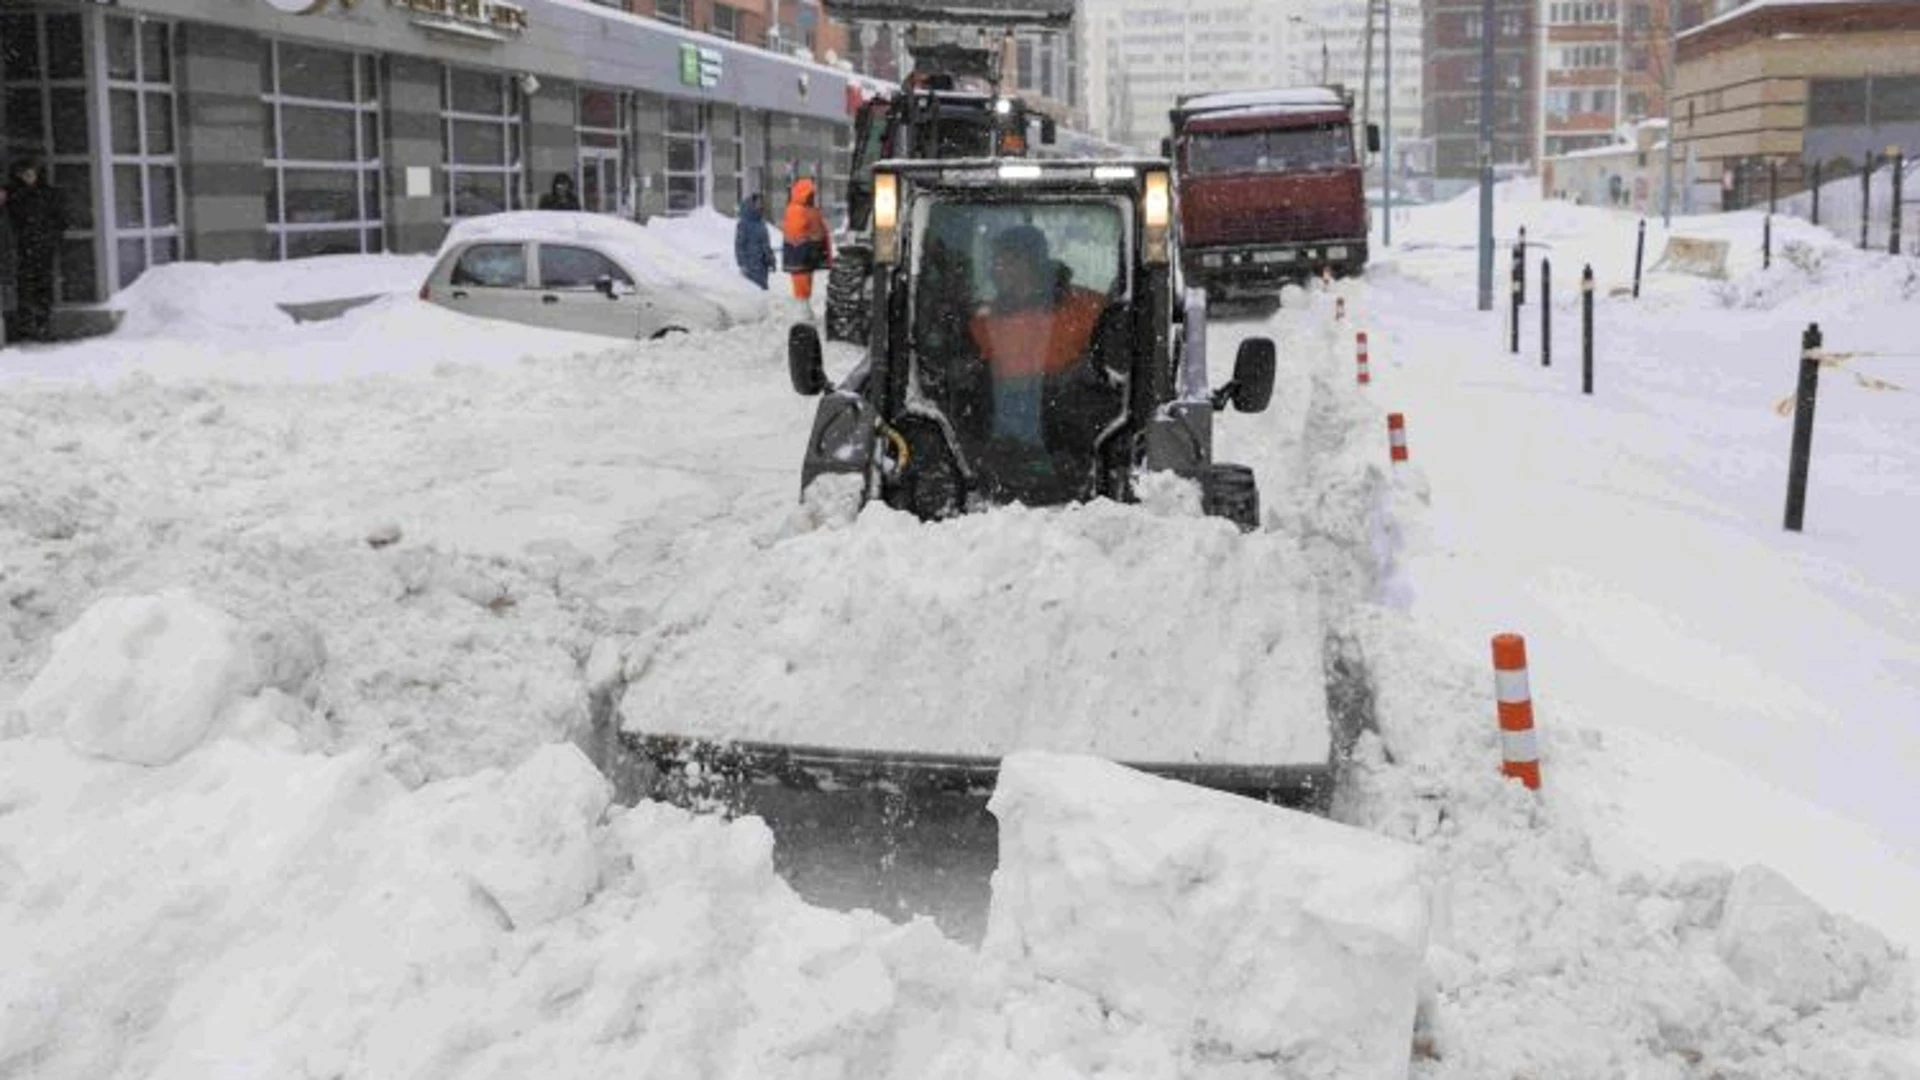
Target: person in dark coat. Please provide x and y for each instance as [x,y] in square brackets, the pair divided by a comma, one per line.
[751,248]
[38,217]
[560,196]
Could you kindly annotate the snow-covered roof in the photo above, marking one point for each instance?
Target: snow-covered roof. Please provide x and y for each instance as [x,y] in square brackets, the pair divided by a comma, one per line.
[1291,98]
[1754,6]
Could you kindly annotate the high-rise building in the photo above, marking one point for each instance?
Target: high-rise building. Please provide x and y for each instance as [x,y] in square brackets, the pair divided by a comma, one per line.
[1605,67]
[1452,87]
[1141,56]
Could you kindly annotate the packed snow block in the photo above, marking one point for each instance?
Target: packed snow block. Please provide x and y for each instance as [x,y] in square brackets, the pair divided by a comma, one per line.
[1786,946]
[140,679]
[1237,931]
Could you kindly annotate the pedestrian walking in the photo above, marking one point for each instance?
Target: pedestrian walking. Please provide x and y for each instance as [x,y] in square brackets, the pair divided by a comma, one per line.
[751,248]
[806,247]
[38,218]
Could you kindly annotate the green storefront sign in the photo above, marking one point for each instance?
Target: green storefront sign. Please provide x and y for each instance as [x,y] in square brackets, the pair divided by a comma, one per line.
[699,67]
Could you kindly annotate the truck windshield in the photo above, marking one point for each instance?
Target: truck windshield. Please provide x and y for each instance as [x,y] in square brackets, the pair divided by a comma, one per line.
[1320,146]
[1018,331]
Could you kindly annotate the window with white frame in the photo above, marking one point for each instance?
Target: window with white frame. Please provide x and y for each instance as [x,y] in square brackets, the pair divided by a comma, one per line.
[726,22]
[688,169]
[1586,56]
[673,11]
[145,163]
[323,151]
[480,143]
[43,96]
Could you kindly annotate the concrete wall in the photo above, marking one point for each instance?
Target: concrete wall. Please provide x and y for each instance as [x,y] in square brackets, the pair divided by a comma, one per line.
[222,140]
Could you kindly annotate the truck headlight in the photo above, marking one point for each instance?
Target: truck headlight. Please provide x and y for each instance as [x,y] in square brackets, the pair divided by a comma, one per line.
[1156,206]
[886,217]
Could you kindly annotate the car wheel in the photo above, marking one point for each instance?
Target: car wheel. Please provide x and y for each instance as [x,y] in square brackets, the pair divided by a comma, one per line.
[668,331]
[849,297]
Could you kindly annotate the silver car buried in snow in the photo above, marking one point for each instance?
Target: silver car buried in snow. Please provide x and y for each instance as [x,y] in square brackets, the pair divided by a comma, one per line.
[586,273]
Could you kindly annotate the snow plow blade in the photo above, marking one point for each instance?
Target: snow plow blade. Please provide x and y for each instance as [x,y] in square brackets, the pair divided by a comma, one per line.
[702,772]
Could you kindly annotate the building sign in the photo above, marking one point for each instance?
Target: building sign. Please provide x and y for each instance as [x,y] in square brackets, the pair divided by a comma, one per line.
[700,66]
[489,20]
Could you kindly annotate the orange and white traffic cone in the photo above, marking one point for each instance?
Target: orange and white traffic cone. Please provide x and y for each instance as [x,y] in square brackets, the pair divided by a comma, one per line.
[1519,751]
[1360,342]
[1397,436]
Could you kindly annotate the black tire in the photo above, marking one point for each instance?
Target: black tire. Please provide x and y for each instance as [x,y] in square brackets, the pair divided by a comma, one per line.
[850,295]
[1231,492]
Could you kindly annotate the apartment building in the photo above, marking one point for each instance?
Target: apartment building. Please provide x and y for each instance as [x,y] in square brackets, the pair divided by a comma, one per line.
[1452,37]
[1141,56]
[1605,68]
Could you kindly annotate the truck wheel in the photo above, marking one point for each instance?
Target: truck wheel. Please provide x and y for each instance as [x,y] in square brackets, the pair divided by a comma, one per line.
[1230,491]
[849,299]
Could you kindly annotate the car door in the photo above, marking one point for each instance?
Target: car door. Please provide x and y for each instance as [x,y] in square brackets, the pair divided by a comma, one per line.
[573,292]
[489,279]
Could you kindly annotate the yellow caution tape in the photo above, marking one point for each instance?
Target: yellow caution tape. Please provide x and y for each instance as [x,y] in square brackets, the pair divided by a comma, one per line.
[1837,362]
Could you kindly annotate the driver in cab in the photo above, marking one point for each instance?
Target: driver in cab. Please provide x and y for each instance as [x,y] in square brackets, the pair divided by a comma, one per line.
[1038,326]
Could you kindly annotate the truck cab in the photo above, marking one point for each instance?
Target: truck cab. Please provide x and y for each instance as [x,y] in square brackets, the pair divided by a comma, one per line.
[1269,188]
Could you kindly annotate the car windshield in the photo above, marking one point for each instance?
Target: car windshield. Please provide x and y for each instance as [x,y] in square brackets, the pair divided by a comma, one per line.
[1320,146]
[1019,334]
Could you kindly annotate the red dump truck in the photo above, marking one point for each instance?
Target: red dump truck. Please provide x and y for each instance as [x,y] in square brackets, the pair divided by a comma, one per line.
[1268,186]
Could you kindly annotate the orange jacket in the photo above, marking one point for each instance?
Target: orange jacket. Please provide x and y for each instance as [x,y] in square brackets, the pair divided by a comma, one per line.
[1038,341]
[804,230]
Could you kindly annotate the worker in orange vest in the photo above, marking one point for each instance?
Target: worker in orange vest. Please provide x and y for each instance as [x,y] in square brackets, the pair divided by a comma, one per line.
[806,246]
[1038,327]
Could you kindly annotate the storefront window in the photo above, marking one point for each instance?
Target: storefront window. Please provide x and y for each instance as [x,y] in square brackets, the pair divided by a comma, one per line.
[602,137]
[146,174]
[480,143]
[44,96]
[687,162]
[323,151]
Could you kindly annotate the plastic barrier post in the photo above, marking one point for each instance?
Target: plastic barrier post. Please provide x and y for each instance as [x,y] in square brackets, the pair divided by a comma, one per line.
[1397,437]
[1519,749]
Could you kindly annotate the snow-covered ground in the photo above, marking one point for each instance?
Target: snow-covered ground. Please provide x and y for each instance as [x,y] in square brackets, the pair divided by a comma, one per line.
[298,622]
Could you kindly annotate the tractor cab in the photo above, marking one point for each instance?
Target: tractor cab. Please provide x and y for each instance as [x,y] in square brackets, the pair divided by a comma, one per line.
[1027,345]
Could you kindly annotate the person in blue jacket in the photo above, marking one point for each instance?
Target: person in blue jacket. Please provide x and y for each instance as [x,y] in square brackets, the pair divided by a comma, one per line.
[751,248]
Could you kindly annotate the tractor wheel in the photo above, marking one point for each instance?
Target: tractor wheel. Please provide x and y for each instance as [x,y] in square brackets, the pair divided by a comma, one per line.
[849,295]
[1230,491]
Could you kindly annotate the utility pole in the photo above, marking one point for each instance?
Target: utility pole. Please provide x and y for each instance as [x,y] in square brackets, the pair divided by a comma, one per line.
[1366,72]
[1386,159]
[1487,25]
[1673,124]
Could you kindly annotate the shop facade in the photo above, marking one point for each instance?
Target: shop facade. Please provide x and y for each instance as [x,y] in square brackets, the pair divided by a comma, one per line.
[278,129]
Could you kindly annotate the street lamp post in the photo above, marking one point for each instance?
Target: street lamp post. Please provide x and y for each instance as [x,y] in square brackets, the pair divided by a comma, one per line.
[1486,154]
[1386,156]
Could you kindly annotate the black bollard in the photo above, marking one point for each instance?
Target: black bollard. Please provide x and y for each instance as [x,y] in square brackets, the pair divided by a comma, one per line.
[1546,312]
[1586,330]
[1639,256]
[1803,400]
[1519,290]
[1766,244]
[1899,192]
[1773,187]
[1866,198]
[1816,193]
[1520,263]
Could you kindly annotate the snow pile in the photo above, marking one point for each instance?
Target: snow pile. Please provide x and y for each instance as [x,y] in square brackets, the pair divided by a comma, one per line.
[1090,629]
[140,679]
[707,234]
[192,299]
[1204,933]
[655,260]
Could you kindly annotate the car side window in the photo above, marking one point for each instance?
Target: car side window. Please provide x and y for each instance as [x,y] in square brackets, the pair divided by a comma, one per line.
[492,266]
[563,267]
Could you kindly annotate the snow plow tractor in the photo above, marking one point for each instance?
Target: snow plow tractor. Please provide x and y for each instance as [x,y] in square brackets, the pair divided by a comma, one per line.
[1027,346]
[949,106]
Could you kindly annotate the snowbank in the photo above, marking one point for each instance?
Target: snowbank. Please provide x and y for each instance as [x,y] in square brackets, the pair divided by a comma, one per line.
[193,299]
[1101,629]
[1237,933]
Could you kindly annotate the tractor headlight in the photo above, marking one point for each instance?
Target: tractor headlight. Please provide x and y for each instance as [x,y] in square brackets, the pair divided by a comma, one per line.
[886,217]
[1156,206]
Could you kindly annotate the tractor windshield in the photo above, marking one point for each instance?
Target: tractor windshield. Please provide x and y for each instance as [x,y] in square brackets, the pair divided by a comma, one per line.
[1019,335]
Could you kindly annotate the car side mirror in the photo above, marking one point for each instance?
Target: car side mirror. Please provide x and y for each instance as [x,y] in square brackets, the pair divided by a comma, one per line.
[1373,138]
[1252,385]
[1049,131]
[804,364]
[611,289]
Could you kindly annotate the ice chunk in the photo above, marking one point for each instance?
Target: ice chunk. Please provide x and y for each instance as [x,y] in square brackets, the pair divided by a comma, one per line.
[140,679]
[1231,931]
[1788,947]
